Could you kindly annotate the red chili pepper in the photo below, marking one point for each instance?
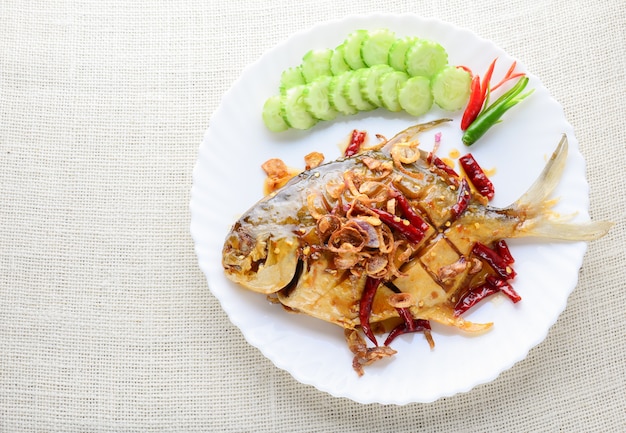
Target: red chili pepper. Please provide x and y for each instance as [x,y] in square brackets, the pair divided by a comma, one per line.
[479,116]
[463,200]
[478,93]
[412,233]
[365,307]
[504,287]
[503,251]
[407,210]
[407,318]
[477,176]
[473,296]
[474,105]
[492,114]
[495,261]
[434,160]
[418,325]
[508,76]
[356,140]
[485,84]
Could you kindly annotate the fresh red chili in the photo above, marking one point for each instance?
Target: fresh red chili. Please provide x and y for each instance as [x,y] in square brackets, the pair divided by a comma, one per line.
[508,76]
[479,116]
[492,114]
[503,251]
[407,210]
[474,105]
[411,232]
[365,307]
[504,287]
[478,94]
[418,325]
[356,140]
[462,201]
[473,296]
[477,176]
[484,88]
[498,264]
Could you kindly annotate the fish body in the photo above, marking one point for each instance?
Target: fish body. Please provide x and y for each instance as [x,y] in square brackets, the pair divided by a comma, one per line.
[316,241]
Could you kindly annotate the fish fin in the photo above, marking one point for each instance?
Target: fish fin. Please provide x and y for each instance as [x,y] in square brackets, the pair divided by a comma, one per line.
[535,204]
[533,200]
[444,314]
[411,132]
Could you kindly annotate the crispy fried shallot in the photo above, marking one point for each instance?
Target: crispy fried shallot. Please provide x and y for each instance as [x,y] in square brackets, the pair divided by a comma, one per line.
[364,355]
[313,160]
[401,300]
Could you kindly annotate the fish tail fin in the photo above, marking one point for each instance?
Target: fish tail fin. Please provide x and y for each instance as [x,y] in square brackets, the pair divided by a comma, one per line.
[535,205]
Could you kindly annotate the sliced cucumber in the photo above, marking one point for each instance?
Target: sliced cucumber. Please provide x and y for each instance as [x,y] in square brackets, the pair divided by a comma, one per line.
[317,99]
[291,77]
[352,91]
[451,88]
[375,47]
[370,69]
[397,52]
[272,116]
[336,95]
[338,62]
[316,63]
[369,83]
[415,96]
[294,110]
[352,49]
[425,58]
[389,85]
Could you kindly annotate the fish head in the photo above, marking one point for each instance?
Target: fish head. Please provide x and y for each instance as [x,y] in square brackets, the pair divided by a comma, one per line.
[258,259]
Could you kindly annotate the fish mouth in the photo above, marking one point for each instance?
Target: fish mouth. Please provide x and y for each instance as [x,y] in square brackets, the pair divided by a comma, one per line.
[261,262]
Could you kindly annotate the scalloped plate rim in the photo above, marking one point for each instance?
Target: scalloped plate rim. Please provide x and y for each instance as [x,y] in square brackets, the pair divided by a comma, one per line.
[199,237]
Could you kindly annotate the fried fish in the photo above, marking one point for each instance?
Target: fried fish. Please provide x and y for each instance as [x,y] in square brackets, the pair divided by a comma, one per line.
[395,219]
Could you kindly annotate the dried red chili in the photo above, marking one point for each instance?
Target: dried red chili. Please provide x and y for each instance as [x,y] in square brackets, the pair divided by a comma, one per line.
[412,233]
[418,325]
[407,318]
[437,162]
[498,264]
[503,251]
[477,176]
[356,141]
[463,199]
[407,210]
[473,296]
[504,287]
[365,307]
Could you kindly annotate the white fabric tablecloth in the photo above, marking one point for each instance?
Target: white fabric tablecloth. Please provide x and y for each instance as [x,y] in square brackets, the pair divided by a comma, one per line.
[107,323]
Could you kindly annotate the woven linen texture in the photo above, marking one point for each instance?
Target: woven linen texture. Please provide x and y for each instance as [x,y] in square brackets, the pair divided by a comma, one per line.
[106,322]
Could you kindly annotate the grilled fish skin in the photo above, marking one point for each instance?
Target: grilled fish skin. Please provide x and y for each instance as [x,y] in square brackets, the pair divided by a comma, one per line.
[316,240]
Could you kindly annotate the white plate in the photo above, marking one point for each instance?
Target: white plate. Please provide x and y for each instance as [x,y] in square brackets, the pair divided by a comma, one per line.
[227,180]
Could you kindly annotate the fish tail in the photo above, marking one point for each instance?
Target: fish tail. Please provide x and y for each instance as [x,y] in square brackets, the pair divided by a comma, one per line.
[535,204]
